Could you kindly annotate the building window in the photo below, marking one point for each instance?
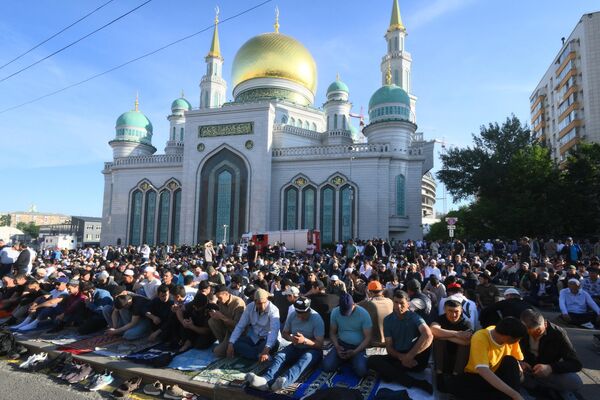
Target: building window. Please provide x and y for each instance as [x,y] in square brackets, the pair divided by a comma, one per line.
[284,119]
[181,134]
[150,217]
[327,215]
[136,218]
[163,216]
[290,207]
[299,124]
[224,185]
[292,121]
[309,195]
[400,195]
[173,136]
[176,215]
[334,121]
[346,212]
[314,127]
[396,78]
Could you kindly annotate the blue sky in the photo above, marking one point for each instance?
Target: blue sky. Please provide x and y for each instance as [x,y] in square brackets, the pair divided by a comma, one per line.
[474,61]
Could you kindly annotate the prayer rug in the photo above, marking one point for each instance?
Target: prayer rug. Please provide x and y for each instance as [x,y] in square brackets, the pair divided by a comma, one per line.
[123,348]
[229,371]
[90,344]
[193,360]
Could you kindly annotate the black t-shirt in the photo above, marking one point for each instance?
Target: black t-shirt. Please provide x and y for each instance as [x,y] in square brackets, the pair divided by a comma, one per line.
[251,253]
[161,309]
[140,306]
[199,316]
[462,324]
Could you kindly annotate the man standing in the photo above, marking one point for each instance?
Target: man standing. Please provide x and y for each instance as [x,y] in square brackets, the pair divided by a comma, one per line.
[350,332]
[223,322]
[407,340]
[260,320]
[591,284]
[378,308]
[550,359]
[577,306]
[305,329]
[23,261]
[493,371]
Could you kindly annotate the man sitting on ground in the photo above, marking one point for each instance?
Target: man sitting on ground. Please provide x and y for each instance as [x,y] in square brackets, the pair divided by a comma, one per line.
[223,322]
[128,317]
[378,308]
[408,343]
[350,332]
[550,359]
[452,337]
[260,321]
[577,306]
[45,306]
[493,371]
[305,329]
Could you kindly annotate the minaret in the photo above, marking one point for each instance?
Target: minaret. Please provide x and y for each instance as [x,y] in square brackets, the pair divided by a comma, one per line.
[337,111]
[212,86]
[397,57]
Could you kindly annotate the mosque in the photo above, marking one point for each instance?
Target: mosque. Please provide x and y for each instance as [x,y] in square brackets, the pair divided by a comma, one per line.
[271,159]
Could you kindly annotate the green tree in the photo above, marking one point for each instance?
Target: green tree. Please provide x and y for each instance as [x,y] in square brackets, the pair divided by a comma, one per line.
[5,220]
[30,229]
[580,200]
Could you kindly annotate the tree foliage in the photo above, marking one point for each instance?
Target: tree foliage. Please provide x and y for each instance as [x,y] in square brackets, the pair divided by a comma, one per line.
[5,220]
[30,229]
[517,189]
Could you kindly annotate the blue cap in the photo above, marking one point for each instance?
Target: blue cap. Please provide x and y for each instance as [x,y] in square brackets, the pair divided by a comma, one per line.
[346,303]
[63,279]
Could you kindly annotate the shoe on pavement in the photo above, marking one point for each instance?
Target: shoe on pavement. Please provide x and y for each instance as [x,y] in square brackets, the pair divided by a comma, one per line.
[127,387]
[17,352]
[257,382]
[588,325]
[33,359]
[72,372]
[85,371]
[279,384]
[154,389]
[175,392]
[101,381]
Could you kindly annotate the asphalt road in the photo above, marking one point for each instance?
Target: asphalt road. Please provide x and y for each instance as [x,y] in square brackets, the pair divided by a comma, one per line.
[16,385]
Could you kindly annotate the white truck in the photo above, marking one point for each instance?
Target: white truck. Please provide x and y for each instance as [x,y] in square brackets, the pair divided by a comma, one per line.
[294,239]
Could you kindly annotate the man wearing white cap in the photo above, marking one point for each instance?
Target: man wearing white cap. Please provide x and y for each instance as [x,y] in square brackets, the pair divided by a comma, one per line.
[148,286]
[575,305]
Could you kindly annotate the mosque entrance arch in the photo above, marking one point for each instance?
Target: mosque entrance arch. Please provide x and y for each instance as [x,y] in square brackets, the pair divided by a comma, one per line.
[223,200]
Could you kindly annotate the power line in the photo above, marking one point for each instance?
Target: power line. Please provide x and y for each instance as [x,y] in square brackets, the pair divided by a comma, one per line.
[76,41]
[57,33]
[135,59]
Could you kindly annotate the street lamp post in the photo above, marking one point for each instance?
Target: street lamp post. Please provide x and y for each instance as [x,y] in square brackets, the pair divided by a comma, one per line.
[225,233]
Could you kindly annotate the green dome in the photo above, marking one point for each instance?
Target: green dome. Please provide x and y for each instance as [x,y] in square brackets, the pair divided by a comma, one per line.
[389,94]
[181,104]
[134,119]
[338,86]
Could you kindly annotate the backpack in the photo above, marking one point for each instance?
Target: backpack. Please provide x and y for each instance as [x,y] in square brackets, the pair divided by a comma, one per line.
[7,343]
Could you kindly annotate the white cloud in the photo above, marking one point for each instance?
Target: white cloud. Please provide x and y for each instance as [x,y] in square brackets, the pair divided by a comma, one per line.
[434,10]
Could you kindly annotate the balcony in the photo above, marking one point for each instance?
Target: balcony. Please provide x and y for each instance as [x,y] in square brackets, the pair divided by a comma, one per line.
[154,160]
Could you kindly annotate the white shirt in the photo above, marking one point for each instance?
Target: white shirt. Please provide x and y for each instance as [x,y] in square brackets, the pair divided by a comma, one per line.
[435,271]
[145,251]
[8,255]
[469,308]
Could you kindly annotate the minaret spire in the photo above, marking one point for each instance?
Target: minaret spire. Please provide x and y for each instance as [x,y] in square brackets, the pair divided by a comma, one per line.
[137,102]
[396,20]
[215,48]
[276,25]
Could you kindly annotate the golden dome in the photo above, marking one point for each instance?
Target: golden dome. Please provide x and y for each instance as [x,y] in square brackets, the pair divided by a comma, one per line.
[274,55]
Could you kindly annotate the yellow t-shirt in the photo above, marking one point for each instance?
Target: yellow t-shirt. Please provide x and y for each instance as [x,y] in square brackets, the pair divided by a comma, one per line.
[486,352]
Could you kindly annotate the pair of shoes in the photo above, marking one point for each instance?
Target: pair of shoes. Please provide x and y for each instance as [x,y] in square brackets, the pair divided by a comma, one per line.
[71,372]
[176,393]
[69,367]
[17,352]
[154,389]
[127,387]
[82,374]
[33,359]
[100,381]
[257,382]
[58,363]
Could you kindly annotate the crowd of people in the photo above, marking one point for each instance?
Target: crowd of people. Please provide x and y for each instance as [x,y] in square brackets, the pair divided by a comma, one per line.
[296,310]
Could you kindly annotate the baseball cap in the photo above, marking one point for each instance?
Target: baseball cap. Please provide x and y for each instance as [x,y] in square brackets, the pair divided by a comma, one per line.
[575,281]
[375,286]
[149,269]
[346,303]
[128,272]
[335,278]
[571,267]
[292,290]
[261,294]
[73,282]
[454,285]
[62,279]
[512,291]
[102,275]
[302,305]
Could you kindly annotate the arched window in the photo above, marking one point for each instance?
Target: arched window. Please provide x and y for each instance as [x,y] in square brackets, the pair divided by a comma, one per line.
[396,47]
[284,119]
[396,78]
[306,125]
[343,122]
[290,208]
[176,216]
[334,121]
[299,124]
[314,127]
[224,183]
[164,206]
[327,214]
[309,203]
[149,217]
[328,122]
[181,134]
[400,195]
[135,225]
[173,136]
[346,212]
[292,121]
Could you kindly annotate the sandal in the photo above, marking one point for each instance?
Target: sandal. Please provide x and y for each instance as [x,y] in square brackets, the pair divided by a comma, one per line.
[127,387]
